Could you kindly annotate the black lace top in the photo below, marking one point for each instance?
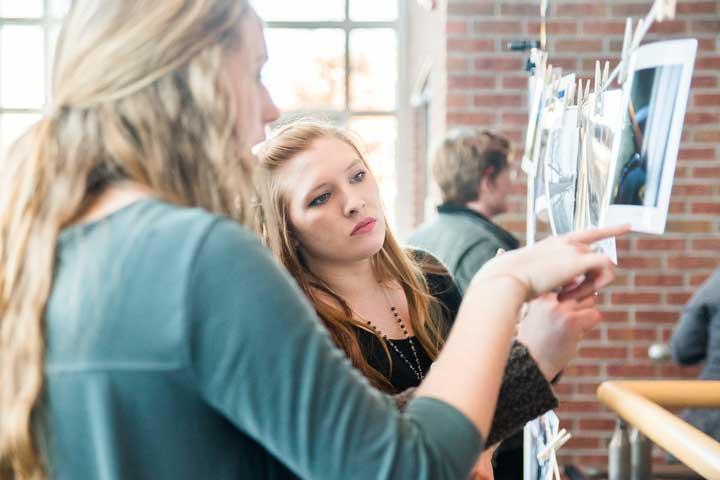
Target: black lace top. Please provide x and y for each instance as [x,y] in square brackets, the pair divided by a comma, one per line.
[524,394]
[400,373]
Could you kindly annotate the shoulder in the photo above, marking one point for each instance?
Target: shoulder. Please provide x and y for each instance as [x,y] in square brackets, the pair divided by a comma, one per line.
[452,235]
[187,239]
[167,223]
[708,294]
[433,269]
[440,282]
[444,220]
[481,251]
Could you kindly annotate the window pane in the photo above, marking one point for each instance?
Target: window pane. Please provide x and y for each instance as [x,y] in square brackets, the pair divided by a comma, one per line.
[306,70]
[12,125]
[21,8]
[22,69]
[58,8]
[315,10]
[378,136]
[373,10]
[373,69]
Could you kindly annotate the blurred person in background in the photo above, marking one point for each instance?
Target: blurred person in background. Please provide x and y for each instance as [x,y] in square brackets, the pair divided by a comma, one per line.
[696,339]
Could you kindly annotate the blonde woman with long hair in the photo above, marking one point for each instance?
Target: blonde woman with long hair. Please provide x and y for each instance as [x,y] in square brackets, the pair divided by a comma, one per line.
[145,333]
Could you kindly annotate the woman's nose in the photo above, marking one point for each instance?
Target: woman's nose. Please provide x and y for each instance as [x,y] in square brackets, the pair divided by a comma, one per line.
[354,205]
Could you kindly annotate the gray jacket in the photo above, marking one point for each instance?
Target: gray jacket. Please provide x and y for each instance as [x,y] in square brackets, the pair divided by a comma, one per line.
[697,339]
[697,335]
[463,240]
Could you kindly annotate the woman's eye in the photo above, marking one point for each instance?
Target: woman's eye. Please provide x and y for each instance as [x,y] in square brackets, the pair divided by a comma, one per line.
[359,177]
[320,200]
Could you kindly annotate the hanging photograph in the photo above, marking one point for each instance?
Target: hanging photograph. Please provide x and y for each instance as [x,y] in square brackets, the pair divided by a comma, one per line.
[553,108]
[603,127]
[535,101]
[597,129]
[561,164]
[655,97]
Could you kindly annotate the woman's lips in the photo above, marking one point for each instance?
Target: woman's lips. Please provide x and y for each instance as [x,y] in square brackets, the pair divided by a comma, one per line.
[364,226]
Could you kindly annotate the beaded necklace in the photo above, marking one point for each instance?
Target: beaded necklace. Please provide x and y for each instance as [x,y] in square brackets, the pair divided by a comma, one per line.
[416,369]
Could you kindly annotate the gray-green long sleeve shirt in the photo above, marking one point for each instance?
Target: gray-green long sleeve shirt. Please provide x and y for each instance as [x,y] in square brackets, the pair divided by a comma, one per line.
[177,348]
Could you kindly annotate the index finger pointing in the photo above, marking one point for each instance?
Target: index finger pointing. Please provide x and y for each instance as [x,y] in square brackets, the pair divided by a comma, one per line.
[592,236]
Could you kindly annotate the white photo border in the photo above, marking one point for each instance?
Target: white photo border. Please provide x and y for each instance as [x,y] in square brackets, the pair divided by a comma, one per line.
[650,219]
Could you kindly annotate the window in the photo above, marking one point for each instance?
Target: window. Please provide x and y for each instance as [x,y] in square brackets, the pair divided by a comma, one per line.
[339,60]
[28,33]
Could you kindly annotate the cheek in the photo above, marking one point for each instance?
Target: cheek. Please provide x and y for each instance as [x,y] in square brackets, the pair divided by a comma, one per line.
[310,227]
[249,106]
[242,106]
[372,191]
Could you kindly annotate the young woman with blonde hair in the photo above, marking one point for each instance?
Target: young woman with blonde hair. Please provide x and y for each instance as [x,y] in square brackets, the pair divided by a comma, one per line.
[145,333]
[389,309]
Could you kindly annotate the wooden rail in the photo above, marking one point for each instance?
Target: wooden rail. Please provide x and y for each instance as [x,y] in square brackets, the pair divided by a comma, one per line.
[638,403]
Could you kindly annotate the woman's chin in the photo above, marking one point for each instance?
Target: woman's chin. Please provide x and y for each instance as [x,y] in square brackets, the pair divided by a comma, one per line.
[371,247]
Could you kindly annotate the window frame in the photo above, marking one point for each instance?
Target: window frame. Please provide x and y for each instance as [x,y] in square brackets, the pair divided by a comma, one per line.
[402,206]
[47,22]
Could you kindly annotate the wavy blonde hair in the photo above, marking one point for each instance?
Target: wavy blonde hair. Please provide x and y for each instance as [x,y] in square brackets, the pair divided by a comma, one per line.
[140,94]
[390,263]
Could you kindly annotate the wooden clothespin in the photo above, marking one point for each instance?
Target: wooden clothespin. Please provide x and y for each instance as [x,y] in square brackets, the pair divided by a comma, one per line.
[606,72]
[625,57]
[664,9]
[549,453]
[597,104]
[586,95]
[579,102]
[555,443]
[543,28]
[638,35]
[583,97]
[548,76]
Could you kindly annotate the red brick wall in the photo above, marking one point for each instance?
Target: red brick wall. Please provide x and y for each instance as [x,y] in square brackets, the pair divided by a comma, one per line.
[486,87]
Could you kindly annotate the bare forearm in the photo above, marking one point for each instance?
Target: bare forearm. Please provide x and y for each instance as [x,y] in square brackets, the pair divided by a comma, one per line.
[479,341]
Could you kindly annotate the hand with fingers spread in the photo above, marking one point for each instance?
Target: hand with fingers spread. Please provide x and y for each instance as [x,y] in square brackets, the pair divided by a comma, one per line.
[552,329]
[565,263]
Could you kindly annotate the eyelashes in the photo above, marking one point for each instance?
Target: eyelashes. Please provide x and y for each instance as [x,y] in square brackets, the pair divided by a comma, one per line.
[319,200]
[323,198]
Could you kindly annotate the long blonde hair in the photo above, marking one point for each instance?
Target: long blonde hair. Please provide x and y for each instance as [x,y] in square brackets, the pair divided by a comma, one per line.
[140,94]
[390,263]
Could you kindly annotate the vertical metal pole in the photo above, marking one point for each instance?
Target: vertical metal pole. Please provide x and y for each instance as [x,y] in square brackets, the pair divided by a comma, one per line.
[619,460]
[641,448]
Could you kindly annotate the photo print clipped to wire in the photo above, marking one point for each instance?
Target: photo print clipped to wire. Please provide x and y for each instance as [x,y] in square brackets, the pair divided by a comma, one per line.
[655,97]
[560,172]
[536,93]
[602,127]
[550,118]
